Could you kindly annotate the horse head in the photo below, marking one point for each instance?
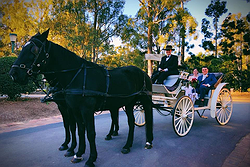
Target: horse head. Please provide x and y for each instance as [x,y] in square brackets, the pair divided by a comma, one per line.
[32,58]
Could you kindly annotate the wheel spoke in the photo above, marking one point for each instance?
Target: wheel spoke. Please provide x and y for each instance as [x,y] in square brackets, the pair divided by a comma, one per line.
[178,118]
[227,102]
[179,110]
[137,114]
[142,118]
[178,122]
[183,116]
[219,112]
[189,123]
[189,109]
[181,126]
[189,113]
[184,126]
[224,109]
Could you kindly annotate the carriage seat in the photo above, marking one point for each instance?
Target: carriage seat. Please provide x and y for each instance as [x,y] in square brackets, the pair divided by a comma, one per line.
[172,82]
[219,76]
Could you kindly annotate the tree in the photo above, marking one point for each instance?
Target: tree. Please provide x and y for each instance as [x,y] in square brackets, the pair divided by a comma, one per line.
[124,56]
[156,22]
[215,10]
[39,10]
[106,20]
[235,44]
[88,25]
[25,18]
[7,86]
[69,26]
[207,44]
[15,18]
[186,28]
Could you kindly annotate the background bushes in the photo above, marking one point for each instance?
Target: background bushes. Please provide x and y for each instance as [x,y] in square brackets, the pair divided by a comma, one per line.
[7,86]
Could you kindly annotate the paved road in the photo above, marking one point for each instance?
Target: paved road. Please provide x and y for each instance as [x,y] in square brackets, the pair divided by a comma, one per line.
[208,144]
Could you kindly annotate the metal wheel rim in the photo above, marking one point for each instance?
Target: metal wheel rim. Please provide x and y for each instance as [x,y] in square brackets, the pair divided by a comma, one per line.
[224,107]
[183,116]
[139,115]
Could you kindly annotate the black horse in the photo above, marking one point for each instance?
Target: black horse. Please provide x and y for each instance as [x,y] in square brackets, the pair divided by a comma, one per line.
[67,116]
[87,88]
[69,120]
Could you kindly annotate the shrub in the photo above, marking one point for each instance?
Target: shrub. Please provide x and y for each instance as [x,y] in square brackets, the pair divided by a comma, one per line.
[7,86]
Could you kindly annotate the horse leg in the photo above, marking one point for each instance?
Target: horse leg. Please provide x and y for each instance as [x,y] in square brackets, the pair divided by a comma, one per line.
[131,121]
[82,143]
[89,121]
[147,105]
[114,124]
[66,125]
[70,152]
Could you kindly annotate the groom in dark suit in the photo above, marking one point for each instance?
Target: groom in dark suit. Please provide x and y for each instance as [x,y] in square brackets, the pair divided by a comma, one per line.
[205,82]
[168,66]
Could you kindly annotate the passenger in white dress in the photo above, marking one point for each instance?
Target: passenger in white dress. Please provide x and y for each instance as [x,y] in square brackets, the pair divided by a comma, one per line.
[190,91]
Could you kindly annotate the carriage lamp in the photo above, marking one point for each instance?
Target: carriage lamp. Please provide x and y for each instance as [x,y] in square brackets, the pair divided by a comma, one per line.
[13,40]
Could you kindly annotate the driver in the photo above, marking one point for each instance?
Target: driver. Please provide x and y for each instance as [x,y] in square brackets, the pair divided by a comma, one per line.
[168,66]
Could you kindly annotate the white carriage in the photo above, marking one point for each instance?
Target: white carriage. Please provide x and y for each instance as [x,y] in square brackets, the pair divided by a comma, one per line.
[170,99]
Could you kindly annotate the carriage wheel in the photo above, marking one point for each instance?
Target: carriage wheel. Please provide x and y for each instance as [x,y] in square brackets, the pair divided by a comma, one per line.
[224,107]
[183,116]
[139,115]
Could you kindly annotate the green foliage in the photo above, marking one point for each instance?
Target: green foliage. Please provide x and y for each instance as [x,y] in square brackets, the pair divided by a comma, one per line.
[214,10]
[124,57]
[87,26]
[7,86]
[15,18]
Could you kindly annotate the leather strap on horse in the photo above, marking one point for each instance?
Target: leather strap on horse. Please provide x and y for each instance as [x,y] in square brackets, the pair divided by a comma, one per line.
[105,94]
[91,93]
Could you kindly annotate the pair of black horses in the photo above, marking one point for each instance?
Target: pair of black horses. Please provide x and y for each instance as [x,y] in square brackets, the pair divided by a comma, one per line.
[82,88]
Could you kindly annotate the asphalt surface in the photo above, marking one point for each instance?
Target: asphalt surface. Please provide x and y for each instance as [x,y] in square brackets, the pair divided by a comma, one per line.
[208,144]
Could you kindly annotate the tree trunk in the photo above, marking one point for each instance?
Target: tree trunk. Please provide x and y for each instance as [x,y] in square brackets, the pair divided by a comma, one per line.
[216,31]
[182,38]
[94,34]
[150,40]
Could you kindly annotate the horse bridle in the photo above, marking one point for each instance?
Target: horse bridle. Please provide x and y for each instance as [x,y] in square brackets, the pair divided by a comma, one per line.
[37,54]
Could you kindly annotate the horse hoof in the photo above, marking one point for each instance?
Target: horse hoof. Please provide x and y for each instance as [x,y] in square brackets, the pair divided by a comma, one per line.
[76,159]
[62,148]
[108,137]
[148,145]
[125,150]
[115,134]
[69,154]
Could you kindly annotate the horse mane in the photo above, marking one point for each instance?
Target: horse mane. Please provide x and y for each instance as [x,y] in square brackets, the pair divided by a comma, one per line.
[73,56]
[68,55]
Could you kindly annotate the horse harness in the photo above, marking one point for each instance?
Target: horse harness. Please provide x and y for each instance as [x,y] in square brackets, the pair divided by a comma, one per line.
[84,92]
[88,93]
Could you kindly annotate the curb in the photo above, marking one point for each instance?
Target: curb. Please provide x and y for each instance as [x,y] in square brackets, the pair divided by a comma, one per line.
[240,156]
